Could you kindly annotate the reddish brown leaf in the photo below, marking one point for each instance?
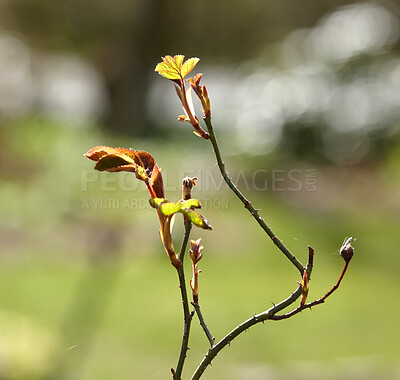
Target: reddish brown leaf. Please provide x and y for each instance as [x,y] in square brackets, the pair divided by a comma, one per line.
[154,172]
[113,163]
[121,159]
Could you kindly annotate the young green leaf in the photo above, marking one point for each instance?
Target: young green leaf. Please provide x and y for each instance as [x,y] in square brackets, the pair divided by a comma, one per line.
[170,208]
[191,203]
[166,208]
[185,207]
[155,202]
[197,219]
[173,69]
[188,66]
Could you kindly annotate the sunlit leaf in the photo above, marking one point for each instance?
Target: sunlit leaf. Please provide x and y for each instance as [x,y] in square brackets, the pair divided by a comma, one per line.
[188,66]
[121,159]
[99,152]
[177,206]
[197,219]
[152,169]
[170,208]
[167,71]
[185,207]
[114,163]
[178,61]
[155,202]
[173,67]
[191,203]
[131,154]
[113,159]
[166,208]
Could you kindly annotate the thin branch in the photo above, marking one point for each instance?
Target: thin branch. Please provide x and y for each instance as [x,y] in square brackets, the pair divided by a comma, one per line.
[203,324]
[192,119]
[247,203]
[212,352]
[269,314]
[188,316]
[310,262]
[314,303]
[184,348]
[336,286]
[188,228]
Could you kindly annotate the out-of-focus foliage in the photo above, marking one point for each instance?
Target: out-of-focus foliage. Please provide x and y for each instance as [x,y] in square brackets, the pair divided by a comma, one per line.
[301,79]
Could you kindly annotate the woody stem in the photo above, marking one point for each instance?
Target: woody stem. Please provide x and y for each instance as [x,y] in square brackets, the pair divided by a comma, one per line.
[187,315]
[253,211]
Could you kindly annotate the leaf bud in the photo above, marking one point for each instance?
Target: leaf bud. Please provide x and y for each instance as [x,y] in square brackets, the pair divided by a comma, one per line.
[187,185]
[347,250]
[195,251]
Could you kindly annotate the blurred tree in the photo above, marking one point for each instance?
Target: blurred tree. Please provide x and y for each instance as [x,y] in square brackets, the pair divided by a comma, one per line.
[125,38]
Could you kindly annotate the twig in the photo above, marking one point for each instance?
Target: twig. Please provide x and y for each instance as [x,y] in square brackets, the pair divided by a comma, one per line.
[310,263]
[253,211]
[188,316]
[316,302]
[322,299]
[188,229]
[269,314]
[212,352]
[203,324]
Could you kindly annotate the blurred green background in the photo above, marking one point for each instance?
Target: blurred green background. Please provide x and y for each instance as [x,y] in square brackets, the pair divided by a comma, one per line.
[306,105]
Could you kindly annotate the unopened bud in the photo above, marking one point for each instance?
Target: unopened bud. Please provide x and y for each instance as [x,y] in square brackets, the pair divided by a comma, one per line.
[305,288]
[195,251]
[187,184]
[197,78]
[182,118]
[347,250]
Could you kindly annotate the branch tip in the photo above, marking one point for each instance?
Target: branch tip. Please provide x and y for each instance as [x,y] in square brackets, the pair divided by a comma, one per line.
[347,250]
